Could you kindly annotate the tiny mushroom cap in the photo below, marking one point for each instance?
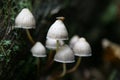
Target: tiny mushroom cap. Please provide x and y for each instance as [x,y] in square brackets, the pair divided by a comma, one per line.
[51,43]
[38,50]
[25,19]
[105,43]
[73,40]
[64,55]
[82,48]
[57,31]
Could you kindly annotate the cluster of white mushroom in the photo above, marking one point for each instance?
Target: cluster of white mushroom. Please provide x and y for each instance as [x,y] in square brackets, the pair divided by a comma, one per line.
[56,35]
[65,54]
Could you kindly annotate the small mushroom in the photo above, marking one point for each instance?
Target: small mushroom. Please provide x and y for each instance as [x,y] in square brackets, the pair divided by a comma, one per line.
[38,50]
[57,31]
[64,55]
[25,20]
[80,49]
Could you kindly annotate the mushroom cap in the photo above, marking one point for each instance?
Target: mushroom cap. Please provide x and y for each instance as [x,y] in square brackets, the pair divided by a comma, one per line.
[25,19]
[64,55]
[73,40]
[82,48]
[57,31]
[51,43]
[38,50]
[105,43]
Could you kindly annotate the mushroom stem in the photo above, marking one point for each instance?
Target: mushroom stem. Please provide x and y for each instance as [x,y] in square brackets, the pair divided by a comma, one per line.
[50,60]
[29,36]
[38,67]
[55,77]
[57,45]
[76,66]
[50,56]
[64,70]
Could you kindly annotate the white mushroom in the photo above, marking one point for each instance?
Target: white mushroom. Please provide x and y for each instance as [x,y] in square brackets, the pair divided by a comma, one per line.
[82,48]
[38,50]
[25,19]
[57,31]
[64,55]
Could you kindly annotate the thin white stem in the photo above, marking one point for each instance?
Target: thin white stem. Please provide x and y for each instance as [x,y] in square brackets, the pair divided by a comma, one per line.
[29,36]
[64,70]
[76,66]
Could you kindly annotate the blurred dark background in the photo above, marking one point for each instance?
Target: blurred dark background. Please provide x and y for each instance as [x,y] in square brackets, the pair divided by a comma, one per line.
[92,19]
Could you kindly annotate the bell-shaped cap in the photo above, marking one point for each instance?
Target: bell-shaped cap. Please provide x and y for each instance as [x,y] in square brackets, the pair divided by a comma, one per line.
[25,19]
[64,55]
[82,48]
[73,40]
[52,43]
[57,31]
[38,50]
